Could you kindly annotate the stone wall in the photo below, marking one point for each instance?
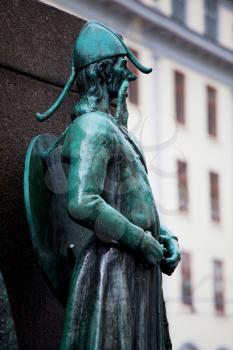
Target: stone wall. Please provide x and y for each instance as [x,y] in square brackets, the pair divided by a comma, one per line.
[35,53]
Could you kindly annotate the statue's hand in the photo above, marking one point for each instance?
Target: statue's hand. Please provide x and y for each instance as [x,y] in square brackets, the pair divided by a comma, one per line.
[152,249]
[172,256]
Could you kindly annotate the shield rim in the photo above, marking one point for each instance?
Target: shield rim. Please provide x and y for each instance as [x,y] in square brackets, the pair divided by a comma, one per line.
[28,210]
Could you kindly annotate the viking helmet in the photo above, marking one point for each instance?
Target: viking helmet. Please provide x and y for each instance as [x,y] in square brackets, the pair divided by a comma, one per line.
[95,43]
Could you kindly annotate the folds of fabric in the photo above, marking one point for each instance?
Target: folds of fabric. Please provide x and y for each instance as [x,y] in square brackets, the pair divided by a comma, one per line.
[115,302]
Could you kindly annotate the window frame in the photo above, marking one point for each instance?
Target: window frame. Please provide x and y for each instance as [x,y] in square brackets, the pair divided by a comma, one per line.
[211,16]
[211,104]
[214,192]
[179,97]
[219,292]
[182,184]
[178,16]
[186,279]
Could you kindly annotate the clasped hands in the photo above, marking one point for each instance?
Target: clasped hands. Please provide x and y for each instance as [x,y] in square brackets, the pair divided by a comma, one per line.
[165,251]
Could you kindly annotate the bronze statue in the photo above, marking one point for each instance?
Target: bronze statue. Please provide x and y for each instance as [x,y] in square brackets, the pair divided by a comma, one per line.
[91,211]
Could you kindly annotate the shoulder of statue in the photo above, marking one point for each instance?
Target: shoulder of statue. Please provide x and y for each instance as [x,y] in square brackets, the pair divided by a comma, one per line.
[95,125]
[96,118]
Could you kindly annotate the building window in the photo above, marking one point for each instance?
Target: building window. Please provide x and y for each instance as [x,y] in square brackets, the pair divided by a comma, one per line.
[179,10]
[214,196]
[187,297]
[179,97]
[133,86]
[211,18]
[211,111]
[182,185]
[219,304]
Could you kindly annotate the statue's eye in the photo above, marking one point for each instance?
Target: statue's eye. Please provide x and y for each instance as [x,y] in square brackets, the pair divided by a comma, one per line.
[124,63]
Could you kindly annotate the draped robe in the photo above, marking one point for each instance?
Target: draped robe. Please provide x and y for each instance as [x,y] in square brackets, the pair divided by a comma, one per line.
[115,299]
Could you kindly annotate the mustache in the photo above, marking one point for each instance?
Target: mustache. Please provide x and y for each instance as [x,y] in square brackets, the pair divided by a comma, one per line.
[131,76]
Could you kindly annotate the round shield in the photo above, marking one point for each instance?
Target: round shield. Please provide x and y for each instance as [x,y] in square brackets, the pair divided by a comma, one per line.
[58,239]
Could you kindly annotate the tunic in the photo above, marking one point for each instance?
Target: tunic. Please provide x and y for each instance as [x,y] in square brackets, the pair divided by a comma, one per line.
[115,300]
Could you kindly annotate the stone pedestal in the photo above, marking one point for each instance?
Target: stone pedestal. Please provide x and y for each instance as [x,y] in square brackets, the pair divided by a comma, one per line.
[35,52]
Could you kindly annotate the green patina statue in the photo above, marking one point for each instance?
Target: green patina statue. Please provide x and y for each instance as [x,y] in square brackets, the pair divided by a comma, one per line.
[91,212]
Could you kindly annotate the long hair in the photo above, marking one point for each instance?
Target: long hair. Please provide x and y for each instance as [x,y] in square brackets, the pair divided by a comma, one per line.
[90,82]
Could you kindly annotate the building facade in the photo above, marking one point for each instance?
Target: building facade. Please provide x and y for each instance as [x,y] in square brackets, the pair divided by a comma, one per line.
[182,114]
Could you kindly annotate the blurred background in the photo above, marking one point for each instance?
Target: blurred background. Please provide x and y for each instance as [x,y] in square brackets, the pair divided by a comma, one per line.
[182,114]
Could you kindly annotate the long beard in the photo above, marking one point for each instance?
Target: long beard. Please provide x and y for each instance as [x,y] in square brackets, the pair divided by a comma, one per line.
[121,114]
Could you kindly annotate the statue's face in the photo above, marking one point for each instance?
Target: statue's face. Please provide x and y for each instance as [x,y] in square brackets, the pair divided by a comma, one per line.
[120,73]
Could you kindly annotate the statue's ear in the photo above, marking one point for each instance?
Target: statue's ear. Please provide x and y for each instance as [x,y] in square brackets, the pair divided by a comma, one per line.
[105,73]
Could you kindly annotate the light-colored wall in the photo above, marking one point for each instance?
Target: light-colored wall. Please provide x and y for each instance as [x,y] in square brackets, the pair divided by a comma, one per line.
[165,6]
[195,15]
[197,234]
[164,142]
[194,12]
[225,31]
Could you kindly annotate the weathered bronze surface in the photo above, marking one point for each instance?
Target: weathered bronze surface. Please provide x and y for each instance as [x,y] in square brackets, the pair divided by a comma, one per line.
[91,212]
[8,339]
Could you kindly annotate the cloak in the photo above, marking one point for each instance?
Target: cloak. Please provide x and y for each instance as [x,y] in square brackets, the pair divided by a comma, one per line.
[91,258]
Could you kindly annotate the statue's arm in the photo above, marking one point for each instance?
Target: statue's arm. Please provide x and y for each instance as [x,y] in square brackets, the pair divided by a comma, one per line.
[91,150]
[172,257]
